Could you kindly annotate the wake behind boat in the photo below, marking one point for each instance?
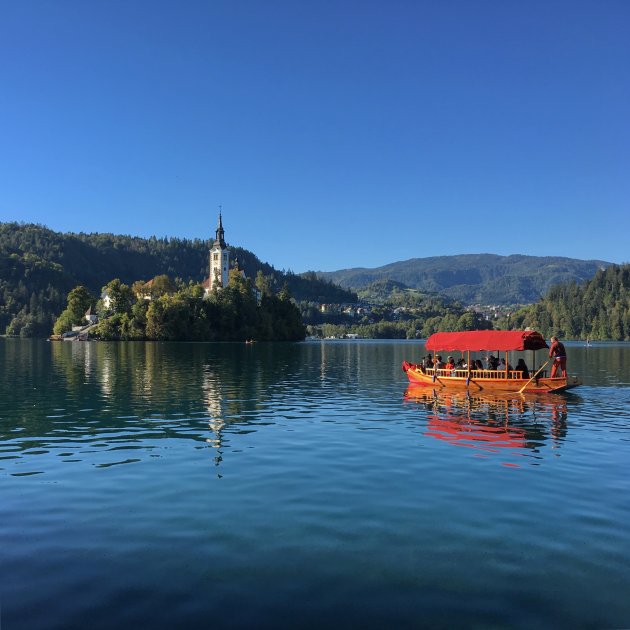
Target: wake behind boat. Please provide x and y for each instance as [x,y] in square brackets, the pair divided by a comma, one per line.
[488,380]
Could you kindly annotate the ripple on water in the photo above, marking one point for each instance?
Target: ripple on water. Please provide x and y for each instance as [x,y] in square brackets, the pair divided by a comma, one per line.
[317,486]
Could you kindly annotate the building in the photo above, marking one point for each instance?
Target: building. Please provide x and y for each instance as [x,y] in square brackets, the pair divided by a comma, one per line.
[219,262]
[90,317]
[107,300]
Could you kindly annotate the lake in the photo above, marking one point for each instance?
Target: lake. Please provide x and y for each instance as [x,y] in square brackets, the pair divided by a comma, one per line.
[301,485]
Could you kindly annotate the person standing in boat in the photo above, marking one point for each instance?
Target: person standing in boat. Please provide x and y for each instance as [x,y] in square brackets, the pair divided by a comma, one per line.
[559,355]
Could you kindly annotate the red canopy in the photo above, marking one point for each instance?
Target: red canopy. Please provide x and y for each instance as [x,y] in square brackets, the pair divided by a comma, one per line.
[486,340]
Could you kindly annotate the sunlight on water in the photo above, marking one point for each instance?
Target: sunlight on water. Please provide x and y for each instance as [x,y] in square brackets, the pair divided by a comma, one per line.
[166,484]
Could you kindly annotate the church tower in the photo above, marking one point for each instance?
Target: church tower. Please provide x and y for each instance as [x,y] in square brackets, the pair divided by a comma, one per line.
[219,260]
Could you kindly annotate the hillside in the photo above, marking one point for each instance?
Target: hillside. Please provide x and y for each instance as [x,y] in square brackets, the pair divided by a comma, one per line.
[38,267]
[598,309]
[475,278]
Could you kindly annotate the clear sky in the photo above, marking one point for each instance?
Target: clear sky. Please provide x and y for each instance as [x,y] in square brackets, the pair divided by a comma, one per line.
[334,133]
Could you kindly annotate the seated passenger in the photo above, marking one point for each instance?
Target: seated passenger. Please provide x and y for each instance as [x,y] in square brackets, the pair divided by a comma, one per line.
[450,364]
[427,362]
[439,364]
[522,367]
[493,362]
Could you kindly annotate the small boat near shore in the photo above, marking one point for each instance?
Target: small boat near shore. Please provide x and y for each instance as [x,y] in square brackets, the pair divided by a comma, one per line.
[474,380]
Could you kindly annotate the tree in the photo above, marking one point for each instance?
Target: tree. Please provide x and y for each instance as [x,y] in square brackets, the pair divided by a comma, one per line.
[263,284]
[168,318]
[120,295]
[79,301]
[162,285]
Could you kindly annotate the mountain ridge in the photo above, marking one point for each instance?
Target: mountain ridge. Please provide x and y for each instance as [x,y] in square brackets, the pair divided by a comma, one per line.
[475,278]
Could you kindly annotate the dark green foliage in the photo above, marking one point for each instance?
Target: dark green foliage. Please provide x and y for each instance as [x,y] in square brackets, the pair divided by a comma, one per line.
[79,301]
[281,318]
[38,267]
[475,278]
[229,314]
[385,290]
[598,309]
[307,286]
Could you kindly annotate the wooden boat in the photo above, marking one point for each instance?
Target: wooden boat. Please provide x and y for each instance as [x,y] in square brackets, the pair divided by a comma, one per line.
[503,380]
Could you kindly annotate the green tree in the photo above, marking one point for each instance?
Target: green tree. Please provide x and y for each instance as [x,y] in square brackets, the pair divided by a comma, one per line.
[79,301]
[120,295]
[168,318]
[162,285]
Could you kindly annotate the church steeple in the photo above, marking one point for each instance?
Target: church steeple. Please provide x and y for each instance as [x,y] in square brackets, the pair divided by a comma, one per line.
[220,234]
[219,260]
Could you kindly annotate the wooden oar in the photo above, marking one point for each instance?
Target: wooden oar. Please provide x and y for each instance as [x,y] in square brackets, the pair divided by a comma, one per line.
[520,391]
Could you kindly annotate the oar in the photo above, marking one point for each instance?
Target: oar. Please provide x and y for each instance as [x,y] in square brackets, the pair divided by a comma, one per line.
[520,391]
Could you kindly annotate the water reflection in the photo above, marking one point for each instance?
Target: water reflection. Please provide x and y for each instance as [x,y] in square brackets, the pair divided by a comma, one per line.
[71,399]
[93,402]
[492,423]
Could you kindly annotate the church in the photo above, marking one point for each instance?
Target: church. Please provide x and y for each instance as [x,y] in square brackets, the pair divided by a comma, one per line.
[219,262]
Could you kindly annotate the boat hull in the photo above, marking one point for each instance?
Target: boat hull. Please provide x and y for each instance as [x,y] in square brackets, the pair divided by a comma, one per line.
[487,383]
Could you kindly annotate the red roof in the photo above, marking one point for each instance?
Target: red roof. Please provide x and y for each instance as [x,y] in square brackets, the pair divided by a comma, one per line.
[487,340]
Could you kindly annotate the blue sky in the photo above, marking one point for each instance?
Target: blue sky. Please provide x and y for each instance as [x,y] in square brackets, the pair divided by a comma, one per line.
[334,134]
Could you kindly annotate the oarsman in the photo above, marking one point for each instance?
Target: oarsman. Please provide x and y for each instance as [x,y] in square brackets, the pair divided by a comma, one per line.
[559,355]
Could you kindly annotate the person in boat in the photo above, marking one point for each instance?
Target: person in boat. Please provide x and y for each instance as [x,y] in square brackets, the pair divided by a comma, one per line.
[427,362]
[521,366]
[493,362]
[559,356]
[501,367]
[439,364]
[450,364]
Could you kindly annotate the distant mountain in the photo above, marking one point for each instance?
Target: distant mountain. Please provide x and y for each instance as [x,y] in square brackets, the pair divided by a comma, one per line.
[38,267]
[475,278]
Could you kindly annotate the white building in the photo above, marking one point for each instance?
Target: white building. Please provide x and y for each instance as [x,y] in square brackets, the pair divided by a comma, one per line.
[106,298]
[90,317]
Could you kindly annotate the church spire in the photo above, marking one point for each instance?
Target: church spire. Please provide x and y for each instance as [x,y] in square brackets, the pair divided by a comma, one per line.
[220,233]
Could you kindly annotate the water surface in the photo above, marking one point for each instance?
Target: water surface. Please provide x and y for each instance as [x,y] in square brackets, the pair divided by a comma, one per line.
[297,485]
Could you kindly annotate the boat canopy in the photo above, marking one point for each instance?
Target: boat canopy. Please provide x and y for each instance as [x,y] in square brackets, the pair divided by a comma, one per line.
[476,340]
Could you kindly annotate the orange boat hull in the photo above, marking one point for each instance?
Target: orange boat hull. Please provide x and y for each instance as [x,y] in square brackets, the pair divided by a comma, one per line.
[479,382]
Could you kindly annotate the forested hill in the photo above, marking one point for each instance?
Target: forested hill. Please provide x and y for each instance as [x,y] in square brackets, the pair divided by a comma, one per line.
[38,267]
[598,309]
[476,278]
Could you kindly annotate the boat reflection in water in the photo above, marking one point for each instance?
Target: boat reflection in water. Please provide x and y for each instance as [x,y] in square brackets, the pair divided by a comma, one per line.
[492,423]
